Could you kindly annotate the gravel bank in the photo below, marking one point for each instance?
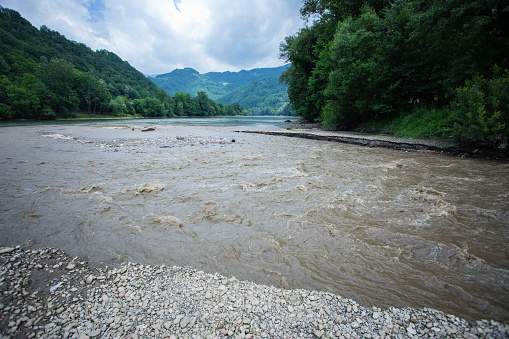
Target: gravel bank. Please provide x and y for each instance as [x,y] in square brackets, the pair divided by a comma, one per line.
[313,131]
[46,294]
[370,140]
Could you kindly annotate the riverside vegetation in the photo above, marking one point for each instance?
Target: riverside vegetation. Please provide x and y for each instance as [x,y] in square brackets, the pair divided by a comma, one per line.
[414,68]
[45,76]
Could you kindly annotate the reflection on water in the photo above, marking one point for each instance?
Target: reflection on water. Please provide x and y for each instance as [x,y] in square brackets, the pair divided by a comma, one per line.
[383,227]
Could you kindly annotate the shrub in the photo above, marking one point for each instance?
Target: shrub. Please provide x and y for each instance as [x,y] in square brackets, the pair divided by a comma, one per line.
[480,110]
[47,114]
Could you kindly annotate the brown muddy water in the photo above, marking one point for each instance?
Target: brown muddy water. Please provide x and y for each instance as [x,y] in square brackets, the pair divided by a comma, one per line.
[383,227]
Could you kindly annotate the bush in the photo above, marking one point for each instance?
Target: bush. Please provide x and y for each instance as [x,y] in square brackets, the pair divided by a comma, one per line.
[118,105]
[47,114]
[480,110]
[5,111]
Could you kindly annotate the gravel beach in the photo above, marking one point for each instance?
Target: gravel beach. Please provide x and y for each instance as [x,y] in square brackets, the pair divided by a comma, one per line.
[47,294]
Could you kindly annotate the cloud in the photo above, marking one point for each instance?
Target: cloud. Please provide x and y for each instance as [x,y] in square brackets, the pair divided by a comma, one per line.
[177,2]
[157,36]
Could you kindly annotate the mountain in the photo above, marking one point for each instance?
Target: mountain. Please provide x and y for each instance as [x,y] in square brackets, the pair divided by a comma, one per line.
[257,89]
[264,97]
[24,44]
[43,75]
[190,81]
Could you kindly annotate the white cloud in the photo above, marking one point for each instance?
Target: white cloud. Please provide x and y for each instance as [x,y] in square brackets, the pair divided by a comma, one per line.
[157,36]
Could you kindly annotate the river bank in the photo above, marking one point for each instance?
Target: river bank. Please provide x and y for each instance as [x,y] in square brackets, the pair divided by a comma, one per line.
[313,131]
[47,294]
[383,228]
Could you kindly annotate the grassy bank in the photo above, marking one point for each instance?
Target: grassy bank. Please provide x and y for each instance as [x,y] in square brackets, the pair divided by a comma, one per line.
[471,134]
[421,124]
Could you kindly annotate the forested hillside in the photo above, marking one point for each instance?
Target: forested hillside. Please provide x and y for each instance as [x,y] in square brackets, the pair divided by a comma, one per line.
[262,97]
[435,68]
[45,76]
[258,89]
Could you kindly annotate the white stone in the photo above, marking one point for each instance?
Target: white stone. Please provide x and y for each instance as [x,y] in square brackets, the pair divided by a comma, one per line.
[411,331]
[94,333]
[6,250]
[318,334]
[185,321]
[252,300]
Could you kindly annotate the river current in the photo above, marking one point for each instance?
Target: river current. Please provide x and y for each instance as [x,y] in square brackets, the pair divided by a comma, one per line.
[383,227]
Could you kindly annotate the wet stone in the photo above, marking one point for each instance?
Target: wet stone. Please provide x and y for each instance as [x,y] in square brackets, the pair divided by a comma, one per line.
[172,301]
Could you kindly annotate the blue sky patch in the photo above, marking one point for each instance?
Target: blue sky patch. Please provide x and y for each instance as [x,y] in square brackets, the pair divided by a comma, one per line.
[95,8]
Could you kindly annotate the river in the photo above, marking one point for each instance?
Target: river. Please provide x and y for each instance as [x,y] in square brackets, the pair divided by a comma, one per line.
[383,227]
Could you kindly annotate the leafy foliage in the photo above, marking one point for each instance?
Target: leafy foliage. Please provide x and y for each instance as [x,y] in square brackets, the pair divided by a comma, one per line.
[356,64]
[45,76]
[480,110]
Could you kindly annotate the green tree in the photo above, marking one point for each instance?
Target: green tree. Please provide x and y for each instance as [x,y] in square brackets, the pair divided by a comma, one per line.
[299,51]
[354,64]
[118,105]
[6,111]
[480,110]
[355,89]
[179,109]
[206,105]
[59,76]
[154,108]
[86,87]
[131,92]
[101,97]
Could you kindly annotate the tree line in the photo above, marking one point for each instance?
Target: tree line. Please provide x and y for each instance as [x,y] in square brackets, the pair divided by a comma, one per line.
[266,96]
[45,76]
[443,63]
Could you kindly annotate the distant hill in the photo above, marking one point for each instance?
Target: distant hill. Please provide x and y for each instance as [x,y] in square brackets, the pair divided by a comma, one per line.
[264,97]
[43,75]
[23,44]
[257,89]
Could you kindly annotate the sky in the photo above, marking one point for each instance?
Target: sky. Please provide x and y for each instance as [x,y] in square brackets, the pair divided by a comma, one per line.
[158,36]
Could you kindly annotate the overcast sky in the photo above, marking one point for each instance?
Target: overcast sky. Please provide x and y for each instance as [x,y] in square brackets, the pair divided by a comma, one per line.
[157,36]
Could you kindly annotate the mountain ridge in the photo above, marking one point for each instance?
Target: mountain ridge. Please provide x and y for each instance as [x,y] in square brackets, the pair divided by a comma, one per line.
[258,89]
[43,75]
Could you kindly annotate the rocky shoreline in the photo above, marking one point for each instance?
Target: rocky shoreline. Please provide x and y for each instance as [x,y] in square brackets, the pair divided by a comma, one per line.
[314,132]
[47,294]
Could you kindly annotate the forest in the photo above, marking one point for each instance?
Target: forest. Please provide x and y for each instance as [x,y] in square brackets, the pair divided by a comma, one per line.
[414,68]
[43,75]
[262,97]
[258,89]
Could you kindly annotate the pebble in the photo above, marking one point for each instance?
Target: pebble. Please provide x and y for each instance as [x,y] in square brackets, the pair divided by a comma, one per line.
[6,250]
[89,279]
[184,322]
[140,301]
[318,334]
